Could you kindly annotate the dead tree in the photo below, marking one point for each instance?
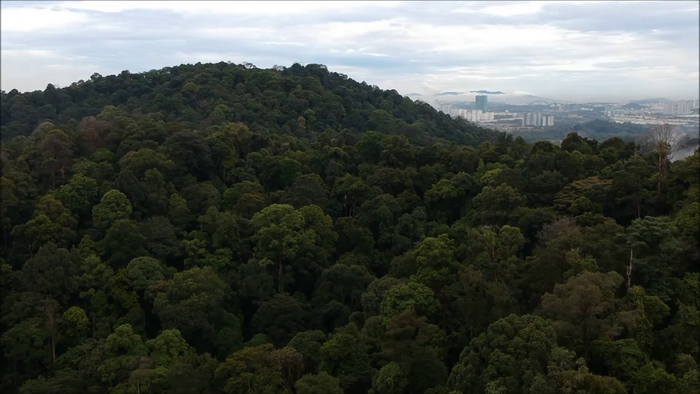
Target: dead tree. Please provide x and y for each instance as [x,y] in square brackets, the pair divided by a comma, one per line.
[664,142]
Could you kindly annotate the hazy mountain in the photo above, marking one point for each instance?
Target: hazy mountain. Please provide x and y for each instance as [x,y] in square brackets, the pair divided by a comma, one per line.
[510,98]
[651,100]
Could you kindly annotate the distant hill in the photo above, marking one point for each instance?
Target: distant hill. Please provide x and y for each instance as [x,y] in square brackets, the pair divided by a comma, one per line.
[497,96]
[651,100]
[299,100]
[632,106]
[597,129]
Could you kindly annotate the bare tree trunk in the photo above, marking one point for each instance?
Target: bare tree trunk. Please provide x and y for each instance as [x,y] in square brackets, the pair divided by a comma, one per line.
[443,304]
[629,270]
[281,271]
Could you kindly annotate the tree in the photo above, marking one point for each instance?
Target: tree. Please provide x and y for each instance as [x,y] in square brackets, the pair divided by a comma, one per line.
[323,383]
[161,239]
[509,357]
[283,233]
[50,273]
[140,161]
[352,191]
[495,251]
[416,347]
[344,356]
[583,309]
[436,268]
[374,295]
[494,204]
[179,213]
[123,351]
[664,143]
[192,302]
[260,369]
[56,151]
[389,380]
[79,194]
[144,271]
[653,248]
[411,295]
[306,190]
[52,222]
[113,206]
[122,243]
[650,311]
[344,284]
[280,318]
[75,323]
[308,344]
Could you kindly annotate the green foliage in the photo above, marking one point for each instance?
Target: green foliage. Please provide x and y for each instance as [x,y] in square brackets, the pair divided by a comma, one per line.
[220,228]
[411,295]
[113,206]
[323,383]
[511,356]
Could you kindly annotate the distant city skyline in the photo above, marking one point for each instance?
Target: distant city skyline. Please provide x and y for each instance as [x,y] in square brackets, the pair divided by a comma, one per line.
[568,50]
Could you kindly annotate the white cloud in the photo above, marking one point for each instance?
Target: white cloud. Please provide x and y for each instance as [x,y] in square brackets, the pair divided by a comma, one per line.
[506,10]
[37,68]
[550,48]
[25,20]
[257,8]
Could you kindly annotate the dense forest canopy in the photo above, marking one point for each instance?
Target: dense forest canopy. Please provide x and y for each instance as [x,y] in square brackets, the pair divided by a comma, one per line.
[221,229]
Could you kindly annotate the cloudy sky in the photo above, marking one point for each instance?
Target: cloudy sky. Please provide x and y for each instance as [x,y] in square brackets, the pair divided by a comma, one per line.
[567,50]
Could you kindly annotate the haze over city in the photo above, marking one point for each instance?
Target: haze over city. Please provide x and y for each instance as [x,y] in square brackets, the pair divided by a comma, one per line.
[577,51]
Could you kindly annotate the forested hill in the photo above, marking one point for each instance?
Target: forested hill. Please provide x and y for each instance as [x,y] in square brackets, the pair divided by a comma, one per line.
[299,101]
[219,229]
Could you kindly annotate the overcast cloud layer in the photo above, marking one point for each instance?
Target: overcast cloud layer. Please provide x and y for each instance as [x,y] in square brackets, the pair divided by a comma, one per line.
[568,50]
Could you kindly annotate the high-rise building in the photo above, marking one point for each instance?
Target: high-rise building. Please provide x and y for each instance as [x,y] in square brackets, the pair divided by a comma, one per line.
[608,111]
[683,107]
[476,115]
[446,108]
[537,119]
[547,120]
[481,102]
[531,119]
[668,108]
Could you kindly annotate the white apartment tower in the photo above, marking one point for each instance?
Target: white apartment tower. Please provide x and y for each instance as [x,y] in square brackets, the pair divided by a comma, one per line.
[683,107]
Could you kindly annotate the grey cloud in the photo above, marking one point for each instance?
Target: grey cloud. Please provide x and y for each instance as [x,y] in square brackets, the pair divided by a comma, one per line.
[402,59]
[449,94]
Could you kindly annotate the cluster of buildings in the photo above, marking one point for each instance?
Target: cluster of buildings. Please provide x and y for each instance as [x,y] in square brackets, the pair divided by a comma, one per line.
[568,107]
[683,107]
[445,107]
[682,112]
[475,115]
[538,120]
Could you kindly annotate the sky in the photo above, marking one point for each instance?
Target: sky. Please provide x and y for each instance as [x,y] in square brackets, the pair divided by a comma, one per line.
[570,50]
